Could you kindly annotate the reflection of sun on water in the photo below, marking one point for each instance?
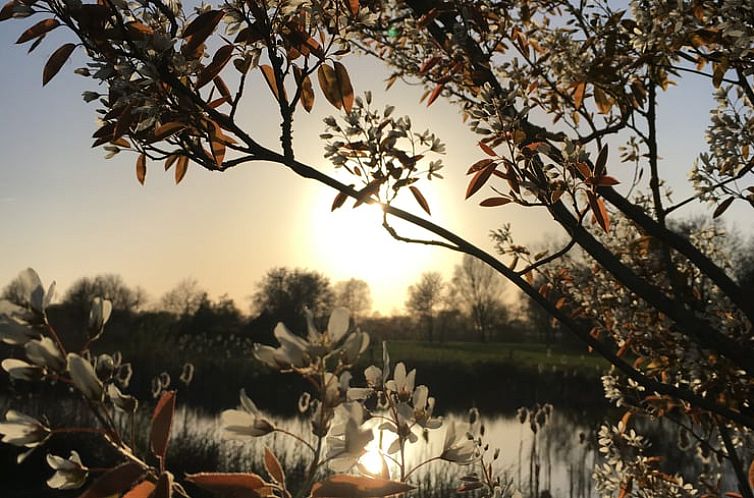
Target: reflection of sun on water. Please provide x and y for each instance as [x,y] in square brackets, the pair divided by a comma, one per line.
[372,461]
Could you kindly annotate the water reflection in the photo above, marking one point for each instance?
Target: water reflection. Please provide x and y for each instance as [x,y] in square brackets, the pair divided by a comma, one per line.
[555,461]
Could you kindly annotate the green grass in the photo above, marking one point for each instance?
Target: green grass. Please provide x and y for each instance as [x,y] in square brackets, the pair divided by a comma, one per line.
[523,355]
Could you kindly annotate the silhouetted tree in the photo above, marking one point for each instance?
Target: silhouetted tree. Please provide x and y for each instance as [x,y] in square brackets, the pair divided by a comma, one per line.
[479,289]
[283,294]
[425,299]
[183,299]
[354,294]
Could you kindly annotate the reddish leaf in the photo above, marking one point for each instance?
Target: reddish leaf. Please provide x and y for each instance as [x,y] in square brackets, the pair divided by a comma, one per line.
[495,201]
[344,86]
[420,199]
[348,486]
[429,64]
[39,29]
[56,61]
[603,181]
[435,93]
[142,490]
[353,5]
[598,209]
[481,164]
[272,466]
[164,131]
[307,93]
[328,85]
[115,481]
[217,143]
[139,30]
[218,102]
[751,475]
[124,122]
[338,201]
[229,485]
[141,168]
[487,149]
[578,94]
[170,160]
[269,77]
[222,87]
[180,169]
[604,103]
[206,21]
[479,179]
[7,11]
[162,417]
[722,207]
[221,58]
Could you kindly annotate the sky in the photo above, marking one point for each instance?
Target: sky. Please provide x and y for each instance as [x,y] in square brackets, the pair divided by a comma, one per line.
[68,212]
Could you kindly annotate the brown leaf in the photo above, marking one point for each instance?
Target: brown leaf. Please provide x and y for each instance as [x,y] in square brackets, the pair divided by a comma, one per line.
[217,143]
[142,490]
[206,21]
[481,164]
[348,486]
[495,201]
[180,169]
[718,72]
[269,77]
[115,481]
[162,420]
[139,30]
[141,168]
[39,29]
[272,466]
[603,181]
[353,5]
[436,91]
[56,61]
[229,485]
[222,87]
[344,85]
[170,160]
[338,201]
[722,207]
[124,122]
[221,58]
[751,475]
[604,103]
[327,82]
[165,130]
[487,149]
[420,199]
[307,93]
[7,11]
[599,210]
[578,94]
[479,179]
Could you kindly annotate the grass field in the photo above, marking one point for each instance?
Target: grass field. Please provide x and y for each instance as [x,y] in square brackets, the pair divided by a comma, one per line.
[521,354]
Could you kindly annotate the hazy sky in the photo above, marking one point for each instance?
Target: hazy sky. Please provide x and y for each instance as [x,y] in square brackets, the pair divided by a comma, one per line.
[68,212]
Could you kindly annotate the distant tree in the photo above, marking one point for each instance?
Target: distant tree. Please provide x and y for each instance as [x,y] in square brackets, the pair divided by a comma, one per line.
[183,299]
[283,294]
[109,286]
[479,289]
[354,294]
[15,292]
[425,299]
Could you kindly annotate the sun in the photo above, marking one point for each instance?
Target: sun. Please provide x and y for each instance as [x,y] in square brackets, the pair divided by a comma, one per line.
[352,243]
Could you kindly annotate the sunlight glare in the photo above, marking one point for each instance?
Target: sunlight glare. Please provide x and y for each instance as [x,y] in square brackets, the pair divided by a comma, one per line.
[372,461]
